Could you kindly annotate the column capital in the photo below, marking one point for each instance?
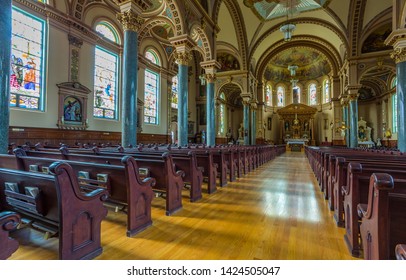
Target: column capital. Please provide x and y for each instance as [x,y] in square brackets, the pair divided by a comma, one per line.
[210,78]
[183,45]
[352,91]
[130,20]
[399,55]
[183,58]
[75,41]
[344,101]
[246,100]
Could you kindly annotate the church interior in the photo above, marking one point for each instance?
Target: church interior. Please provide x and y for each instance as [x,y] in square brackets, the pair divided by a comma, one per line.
[300,76]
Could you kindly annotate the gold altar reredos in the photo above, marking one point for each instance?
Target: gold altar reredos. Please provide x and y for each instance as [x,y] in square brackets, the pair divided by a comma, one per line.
[297,122]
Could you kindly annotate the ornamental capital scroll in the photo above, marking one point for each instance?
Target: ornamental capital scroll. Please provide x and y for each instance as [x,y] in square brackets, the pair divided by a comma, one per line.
[130,20]
[183,58]
[211,78]
[399,55]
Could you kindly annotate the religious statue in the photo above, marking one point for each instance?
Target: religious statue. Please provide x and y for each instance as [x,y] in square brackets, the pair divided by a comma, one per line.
[241,132]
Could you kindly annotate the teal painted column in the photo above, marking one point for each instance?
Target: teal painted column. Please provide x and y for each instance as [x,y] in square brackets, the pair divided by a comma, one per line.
[131,23]
[346,122]
[5,54]
[246,122]
[401,92]
[353,116]
[253,123]
[183,93]
[210,110]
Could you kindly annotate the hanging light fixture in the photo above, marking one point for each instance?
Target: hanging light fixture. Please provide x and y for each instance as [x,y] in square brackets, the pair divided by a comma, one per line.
[287,30]
[292,69]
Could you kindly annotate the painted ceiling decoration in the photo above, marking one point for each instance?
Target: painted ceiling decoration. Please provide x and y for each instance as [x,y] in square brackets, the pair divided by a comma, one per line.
[375,42]
[270,9]
[310,63]
[227,61]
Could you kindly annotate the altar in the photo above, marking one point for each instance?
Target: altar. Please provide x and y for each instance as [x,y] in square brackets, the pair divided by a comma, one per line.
[297,126]
[296,145]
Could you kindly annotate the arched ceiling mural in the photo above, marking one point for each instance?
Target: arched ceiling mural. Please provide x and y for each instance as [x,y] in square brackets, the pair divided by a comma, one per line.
[310,63]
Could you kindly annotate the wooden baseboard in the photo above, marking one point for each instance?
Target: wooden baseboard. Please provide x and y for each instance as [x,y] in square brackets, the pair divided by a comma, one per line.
[21,135]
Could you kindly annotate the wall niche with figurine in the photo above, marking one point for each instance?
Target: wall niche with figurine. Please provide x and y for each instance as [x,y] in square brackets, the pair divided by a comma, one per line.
[72,110]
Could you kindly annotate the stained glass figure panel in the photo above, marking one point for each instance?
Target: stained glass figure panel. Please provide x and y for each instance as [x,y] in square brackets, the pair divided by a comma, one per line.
[27,51]
[175,94]
[326,91]
[151,97]
[105,84]
[312,94]
[281,96]
[268,95]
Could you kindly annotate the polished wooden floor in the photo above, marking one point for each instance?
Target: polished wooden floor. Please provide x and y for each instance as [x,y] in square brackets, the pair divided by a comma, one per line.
[274,212]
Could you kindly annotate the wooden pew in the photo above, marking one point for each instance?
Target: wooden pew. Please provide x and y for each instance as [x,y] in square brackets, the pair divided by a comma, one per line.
[161,168]
[124,185]
[383,224]
[8,222]
[400,251]
[59,206]
[356,192]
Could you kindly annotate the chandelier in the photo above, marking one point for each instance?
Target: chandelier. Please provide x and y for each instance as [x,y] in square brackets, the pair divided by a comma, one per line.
[287,30]
[292,69]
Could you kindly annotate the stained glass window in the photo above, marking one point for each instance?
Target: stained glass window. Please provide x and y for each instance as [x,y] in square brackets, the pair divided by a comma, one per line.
[394,107]
[152,56]
[175,95]
[27,61]
[105,84]
[326,91]
[222,115]
[151,97]
[280,92]
[268,95]
[296,93]
[107,31]
[312,94]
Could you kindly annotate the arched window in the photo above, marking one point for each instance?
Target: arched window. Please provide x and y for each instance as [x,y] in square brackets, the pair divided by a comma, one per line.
[222,114]
[280,92]
[105,84]
[174,99]
[27,61]
[151,98]
[312,94]
[268,95]
[152,56]
[107,31]
[296,93]
[105,76]
[326,90]
[394,106]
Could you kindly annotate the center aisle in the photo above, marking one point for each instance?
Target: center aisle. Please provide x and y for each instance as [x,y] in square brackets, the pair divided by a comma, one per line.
[274,212]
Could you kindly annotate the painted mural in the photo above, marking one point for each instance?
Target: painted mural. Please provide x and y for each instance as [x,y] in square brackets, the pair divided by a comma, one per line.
[228,62]
[311,65]
[375,42]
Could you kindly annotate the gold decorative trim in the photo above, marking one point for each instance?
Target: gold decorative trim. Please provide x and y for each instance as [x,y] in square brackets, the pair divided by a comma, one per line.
[183,58]
[211,78]
[130,21]
[399,55]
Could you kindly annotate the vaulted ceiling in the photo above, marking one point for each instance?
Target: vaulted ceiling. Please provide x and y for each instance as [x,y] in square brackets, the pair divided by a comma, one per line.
[327,31]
